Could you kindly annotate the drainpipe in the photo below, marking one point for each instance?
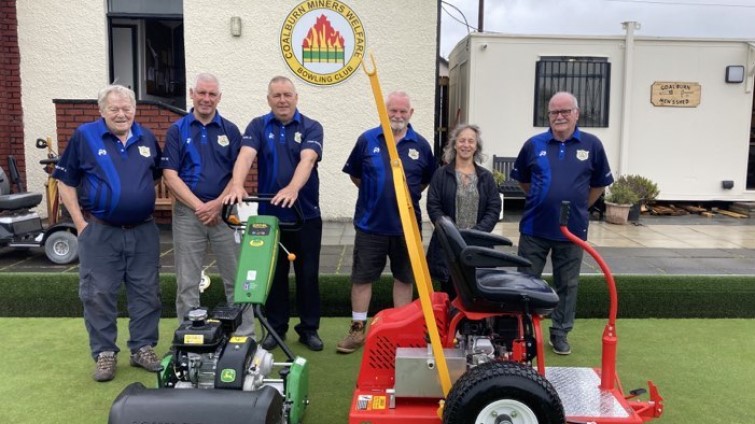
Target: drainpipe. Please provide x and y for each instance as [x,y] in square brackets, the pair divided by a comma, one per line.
[626,108]
[750,71]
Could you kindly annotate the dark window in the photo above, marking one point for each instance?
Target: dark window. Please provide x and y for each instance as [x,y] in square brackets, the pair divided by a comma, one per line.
[588,78]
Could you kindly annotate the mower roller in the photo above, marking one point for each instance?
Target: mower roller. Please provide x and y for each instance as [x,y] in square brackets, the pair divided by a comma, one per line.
[212,375]
[480,358]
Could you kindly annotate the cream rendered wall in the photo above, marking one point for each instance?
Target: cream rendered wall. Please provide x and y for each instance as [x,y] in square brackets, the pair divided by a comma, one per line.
[64,54]
[691,150]
[688,151]
[502,87]
[404,46]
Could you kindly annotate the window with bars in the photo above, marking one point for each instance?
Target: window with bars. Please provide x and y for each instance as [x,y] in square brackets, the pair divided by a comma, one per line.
[588,78]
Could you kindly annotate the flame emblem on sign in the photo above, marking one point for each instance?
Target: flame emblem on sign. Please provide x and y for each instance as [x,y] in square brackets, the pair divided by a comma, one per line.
[323,43]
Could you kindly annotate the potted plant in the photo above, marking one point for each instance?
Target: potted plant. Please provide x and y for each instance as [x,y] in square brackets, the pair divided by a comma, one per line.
[620,198]
[646,190]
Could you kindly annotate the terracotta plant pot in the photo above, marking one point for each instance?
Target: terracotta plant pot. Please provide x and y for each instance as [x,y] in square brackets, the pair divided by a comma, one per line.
[616,213]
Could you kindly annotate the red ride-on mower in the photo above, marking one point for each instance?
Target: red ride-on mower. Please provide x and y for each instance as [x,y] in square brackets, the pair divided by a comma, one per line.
[492,347]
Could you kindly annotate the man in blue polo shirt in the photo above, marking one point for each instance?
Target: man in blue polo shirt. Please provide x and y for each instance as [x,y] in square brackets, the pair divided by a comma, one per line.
[114,162]
[289,146]
[379,233]
[563,163]
[200,151]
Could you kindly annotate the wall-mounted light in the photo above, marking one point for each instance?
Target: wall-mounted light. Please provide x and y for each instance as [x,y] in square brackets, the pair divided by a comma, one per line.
[735,73]
[236,26]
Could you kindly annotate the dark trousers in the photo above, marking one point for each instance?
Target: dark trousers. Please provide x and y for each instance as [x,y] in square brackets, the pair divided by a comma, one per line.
[305,243]
[109,257]
[566,258]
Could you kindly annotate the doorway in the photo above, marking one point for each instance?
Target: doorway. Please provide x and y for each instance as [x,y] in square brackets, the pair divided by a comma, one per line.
[147,49]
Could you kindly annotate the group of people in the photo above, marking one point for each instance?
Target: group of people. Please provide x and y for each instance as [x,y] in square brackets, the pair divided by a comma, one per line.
[108,171]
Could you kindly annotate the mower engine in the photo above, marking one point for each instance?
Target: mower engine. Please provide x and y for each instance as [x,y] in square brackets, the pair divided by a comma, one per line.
[207,357]
[204,345]
[499,338]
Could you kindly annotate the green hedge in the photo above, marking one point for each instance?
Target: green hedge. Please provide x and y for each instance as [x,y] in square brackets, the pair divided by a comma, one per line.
[640,296]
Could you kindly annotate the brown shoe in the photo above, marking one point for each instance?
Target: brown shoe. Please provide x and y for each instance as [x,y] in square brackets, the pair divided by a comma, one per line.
[355,339]
[146,358]
[105,368]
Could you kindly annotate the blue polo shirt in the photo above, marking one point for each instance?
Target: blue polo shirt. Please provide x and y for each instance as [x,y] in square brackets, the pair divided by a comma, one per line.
[115,183]
[279,149]
[377,208]
[202,155]
[559,171]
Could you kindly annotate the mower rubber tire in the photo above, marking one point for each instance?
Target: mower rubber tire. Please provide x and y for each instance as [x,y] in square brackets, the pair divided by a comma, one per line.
[62,247]
[503,392]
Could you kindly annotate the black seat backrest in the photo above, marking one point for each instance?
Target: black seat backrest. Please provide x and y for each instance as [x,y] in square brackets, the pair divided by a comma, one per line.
[15,175]
[4,183]
[451,242]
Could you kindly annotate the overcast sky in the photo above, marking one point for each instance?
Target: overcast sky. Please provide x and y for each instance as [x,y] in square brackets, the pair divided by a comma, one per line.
[682,18]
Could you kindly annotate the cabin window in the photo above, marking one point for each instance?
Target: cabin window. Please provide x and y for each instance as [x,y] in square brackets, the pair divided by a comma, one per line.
[588,78]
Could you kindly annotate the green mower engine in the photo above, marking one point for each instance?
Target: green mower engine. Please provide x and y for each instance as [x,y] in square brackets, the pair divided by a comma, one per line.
[212,375]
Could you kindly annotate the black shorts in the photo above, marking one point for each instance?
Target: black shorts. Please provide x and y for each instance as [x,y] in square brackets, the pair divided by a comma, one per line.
[370,253]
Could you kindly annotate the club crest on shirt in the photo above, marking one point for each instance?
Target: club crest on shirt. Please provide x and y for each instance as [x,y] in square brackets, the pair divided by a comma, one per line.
[297,137]
[101,152]
[414,154]
[144,151]
[583,154]
[223,140]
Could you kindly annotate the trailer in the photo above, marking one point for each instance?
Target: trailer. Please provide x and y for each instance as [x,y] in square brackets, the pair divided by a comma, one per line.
[676,110]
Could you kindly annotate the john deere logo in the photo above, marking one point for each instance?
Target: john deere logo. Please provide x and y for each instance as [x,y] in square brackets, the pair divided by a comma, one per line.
[228,375]
[322,41]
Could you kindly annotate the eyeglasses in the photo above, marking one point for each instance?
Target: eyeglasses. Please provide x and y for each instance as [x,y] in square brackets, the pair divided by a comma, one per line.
[564,112]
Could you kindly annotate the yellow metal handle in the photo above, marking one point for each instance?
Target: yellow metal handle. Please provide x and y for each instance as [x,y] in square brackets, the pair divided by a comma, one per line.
[411,231]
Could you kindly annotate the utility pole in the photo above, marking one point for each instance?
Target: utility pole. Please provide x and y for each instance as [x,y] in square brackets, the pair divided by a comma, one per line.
[480,15]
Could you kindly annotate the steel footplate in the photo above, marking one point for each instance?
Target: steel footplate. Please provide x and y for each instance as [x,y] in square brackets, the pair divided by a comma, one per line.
[580,393]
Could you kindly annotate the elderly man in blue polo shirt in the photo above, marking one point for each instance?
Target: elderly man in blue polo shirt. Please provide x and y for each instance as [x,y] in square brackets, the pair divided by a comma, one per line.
[114,162]
[563,163]
[289,146]
[379,233]
[200,151]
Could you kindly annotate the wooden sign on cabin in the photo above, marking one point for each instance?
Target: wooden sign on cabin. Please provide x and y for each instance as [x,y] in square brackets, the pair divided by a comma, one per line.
[675,94]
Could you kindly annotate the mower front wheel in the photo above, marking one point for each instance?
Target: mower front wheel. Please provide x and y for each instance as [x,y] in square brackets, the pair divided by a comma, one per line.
[503,393]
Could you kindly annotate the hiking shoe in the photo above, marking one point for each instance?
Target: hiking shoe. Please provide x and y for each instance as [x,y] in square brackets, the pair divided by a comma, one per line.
[560,345]
[354,340]
[146,358]
[269,343]
[105,368]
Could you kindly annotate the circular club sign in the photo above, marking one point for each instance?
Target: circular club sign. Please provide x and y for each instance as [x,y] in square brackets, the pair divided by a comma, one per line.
[322,41]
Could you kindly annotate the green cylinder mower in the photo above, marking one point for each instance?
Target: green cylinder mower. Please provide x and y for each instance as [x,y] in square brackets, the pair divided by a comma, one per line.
[212,375]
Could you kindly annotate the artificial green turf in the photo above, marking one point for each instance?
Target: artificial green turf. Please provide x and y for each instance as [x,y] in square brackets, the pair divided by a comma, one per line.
[704,368]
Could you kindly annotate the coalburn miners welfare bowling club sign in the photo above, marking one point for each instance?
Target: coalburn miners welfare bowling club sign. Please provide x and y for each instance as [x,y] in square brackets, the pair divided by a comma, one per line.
[322,41]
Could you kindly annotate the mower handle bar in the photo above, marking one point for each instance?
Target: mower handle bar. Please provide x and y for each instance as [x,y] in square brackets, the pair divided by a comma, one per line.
[266,198]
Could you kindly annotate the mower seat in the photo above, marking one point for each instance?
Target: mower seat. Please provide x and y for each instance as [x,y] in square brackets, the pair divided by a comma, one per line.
[483,287]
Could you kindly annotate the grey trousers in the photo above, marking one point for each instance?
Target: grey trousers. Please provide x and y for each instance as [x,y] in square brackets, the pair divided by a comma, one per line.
[190,241]
[566,258]
[111,256]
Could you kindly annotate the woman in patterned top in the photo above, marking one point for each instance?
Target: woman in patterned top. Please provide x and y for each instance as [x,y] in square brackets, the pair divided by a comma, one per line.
[463,191]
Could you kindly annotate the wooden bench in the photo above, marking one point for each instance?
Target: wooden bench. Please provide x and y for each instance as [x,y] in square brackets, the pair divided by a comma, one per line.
[163,198]
[510,187]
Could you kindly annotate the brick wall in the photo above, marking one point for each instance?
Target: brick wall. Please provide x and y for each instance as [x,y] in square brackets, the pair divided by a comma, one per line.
[11,114]
[158,117]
